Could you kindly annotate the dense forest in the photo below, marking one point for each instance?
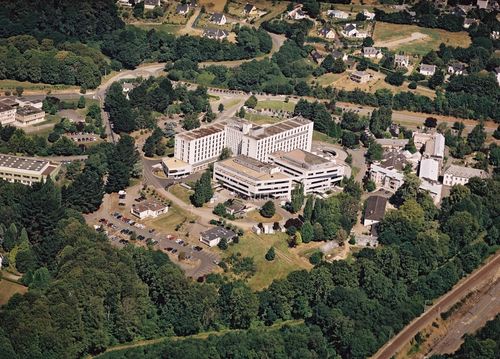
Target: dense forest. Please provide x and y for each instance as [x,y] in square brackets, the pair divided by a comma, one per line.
[86,296]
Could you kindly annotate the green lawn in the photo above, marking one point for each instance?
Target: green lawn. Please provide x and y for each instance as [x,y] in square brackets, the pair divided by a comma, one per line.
[261,119]
[8,289]
[255,216]
[168,222]
[11,85]
[275,105]
[180,192]
[252,245]
[319,136]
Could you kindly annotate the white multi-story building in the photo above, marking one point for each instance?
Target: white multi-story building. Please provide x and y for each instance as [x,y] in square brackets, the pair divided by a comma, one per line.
[201,146]
[7,114]
[28,116]
[260,141]
[316,173]
[429,169]
[252,178]
[388,178]
[26,170]
[454,175]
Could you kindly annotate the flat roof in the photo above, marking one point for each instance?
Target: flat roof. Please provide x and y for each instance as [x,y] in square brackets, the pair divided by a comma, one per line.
[260,132]
[392,141]
[429,168]
[252,168]
[375,208]
[23,163]
[394,160]
[149,204]
[174,163]
[218,232]
[302,158]
[9,102]
[4,107]
[28,110]
[465,172]
[202,132]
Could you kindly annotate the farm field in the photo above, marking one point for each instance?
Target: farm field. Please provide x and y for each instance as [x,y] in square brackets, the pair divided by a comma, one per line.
[275,105]
[286,261]
[396,37]
[8,289]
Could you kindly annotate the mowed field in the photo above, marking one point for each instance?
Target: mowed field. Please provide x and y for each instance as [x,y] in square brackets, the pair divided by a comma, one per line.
[8,289]
[213,5]
[398,37]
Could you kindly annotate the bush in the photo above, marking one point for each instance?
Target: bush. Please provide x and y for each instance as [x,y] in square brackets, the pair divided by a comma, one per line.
[271,254]
[412,85]
[268,209]
[316,258]
[223,244]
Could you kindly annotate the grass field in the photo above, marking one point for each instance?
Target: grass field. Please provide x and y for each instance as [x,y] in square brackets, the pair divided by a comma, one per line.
[389,32]
[8,289]
[262,119]
[168,222]
[180,192]
[275,105]
[252,245]
[327,79]
[10,85]
[256,217]
[319,136]
[166,28]
[213,5]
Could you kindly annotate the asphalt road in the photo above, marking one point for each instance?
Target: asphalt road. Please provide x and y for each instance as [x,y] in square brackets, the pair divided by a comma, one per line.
[441,305]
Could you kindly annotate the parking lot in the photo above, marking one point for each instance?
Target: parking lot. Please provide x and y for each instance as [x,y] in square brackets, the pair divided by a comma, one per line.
[196,260]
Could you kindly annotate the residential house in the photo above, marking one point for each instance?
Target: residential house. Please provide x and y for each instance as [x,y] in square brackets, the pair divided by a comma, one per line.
[124,2]
[317,57]
[368,15]
[427,70]
[401,60]
[454,175]
[297,13]
[434,147]
[249,10]
[469,22]
[327,33]
[388,173]
[336,54]
[235,208]
[148,209]
[372,52]
[482,4]
[497,73]
[151,4]
[350,30]
[360,77]
[216,34]
[213,236]
[392,143]
[182,9]
[495,35]
[337,14]
[374,210]
[218,18]
[457,68]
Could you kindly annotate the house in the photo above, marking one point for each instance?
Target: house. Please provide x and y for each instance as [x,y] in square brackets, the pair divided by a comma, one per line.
[218,18]
[151,4]
[215,34]
[454,175]
[392,143]
[350,30]
[337,14]
[148,208]
[360,77]
[235,208]
[497,73]
[317,57]
[374,210]
[388,173]
[249,10]
[369,15]
[469,22]
[297,14]
[336,54]
[401,60]
[427,70]
[434,147]
[327,33]
[495,35]
[372,52]
[182,9]
[457,68]
[124,2]
[429,169]
[213,236]
[482,4]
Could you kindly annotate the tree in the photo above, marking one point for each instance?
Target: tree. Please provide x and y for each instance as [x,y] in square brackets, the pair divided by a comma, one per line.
[221,107]
[368,42]
[238,305]
[202,190]
[396,78]
[225,154]
[308,208]
[436,80]
[316,258]
[338,66]
[409,189]
[268,209]
[375,152]
[410,146]
[251,102]
[191,122]
[370,186]
[476,137]
[270,255]
[430,122]
[220,210]
[241,113]
[307,232]
[81,102]
[297,198]
[19,91]
[223,244]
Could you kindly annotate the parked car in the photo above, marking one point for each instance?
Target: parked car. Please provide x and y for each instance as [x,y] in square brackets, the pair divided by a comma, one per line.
[174,251]
[140,238]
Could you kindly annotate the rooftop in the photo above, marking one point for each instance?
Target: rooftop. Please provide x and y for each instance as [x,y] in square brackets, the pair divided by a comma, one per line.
[23,163]
[260,132]
[425,67]
[394,142]
[302,158]
[8,102]
[393,160]
[375,208]
[148,205]
[465,172]
[217,17]
[28,110]
[429,169]
[217,232]
[252,168]
[5,108]
[202,132]
[173,163]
